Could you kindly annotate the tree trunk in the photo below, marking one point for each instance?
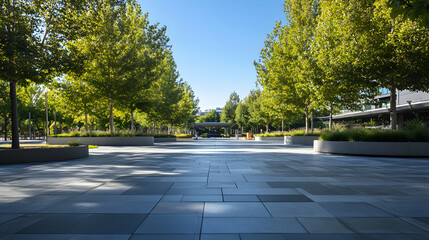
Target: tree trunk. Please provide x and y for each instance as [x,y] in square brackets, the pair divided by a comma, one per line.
[29,124]
[6,122]
[393,116]
[331,109]
[283,125]
[312,122]
[132,120]
[306,119]
[14,112]
[47,115]
[55,122]
[267,127]
[112,124]
[86,122]
[154,126]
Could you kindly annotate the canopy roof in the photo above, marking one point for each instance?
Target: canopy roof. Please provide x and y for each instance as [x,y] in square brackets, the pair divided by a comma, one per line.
[213,124]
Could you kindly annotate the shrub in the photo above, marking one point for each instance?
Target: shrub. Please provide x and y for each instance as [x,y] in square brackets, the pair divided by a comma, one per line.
[183,136]
[420,134]
[108,134]
[73,144]
[204,135]
[300,132]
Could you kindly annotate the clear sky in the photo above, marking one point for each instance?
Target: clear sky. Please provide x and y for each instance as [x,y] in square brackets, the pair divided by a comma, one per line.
[215,42]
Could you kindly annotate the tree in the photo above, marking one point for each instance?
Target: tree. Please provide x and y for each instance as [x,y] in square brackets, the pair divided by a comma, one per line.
[211,116]
[389,53]
[339,85]
[121,47]
[32,34]
[287,63]
[241,115]
[228,111]
[411,9]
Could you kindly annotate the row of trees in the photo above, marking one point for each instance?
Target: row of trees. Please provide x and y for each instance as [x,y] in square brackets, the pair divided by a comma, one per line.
[338,54]
[94,57]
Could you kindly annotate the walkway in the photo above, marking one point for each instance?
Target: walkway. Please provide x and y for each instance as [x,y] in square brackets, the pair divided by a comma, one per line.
[216,190]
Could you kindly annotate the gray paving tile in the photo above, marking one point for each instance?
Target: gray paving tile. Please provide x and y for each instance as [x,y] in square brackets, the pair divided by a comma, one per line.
[220,237]
[263,236]
[179,208]
[409,236]
[260,191]
[170,223]
[7,217]
[380,225]
[296,209]
[202,198]
[252,225]
[324,236]
[284,198]
[19,223]
[171,198]
[39,237]
[194,191]
[108,224]
[324,225]
[165,237]
[405,209]
[101,237]
[240,198]
[354,210]
[55,224]
[235,209]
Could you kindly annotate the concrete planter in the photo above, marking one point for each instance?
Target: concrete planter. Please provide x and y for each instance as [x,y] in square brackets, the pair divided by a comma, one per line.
[268,138]
[160,140]
[393,149]
[300,140]
[103,141]
[10,156]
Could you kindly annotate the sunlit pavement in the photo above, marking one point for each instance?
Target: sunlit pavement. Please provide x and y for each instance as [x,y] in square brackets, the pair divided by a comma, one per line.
[216,189]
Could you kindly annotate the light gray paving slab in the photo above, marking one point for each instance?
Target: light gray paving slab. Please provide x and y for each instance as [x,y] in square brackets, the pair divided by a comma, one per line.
[179,208]
[235,209]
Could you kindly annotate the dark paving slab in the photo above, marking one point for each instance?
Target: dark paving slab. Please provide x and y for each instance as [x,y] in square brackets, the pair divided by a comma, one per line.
[380,225]
[284,198]
[170,224]
[354,210]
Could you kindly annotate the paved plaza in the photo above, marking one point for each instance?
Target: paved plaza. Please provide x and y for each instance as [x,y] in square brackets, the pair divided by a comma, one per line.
[216,190]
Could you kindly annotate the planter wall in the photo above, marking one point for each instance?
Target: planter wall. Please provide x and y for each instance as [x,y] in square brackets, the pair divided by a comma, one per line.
[9,156]
[268,138]
[394,149]
[160,140]
[103,141]
[300,140]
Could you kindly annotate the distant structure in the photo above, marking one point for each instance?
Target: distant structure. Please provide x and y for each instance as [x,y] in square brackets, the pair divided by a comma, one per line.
[202,113]
[409,106]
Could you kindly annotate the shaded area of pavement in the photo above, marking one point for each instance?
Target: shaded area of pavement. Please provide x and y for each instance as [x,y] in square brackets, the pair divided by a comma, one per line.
[216,189]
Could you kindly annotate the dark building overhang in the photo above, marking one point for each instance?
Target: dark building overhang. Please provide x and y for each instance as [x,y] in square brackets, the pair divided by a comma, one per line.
[404,108]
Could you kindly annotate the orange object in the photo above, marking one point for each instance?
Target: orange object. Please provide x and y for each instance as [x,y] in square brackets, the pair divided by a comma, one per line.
[249,135]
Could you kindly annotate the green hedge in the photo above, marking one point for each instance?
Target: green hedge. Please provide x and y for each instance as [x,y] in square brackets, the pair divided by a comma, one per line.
[420,134]
[184,136]
[316,132]
[108,134]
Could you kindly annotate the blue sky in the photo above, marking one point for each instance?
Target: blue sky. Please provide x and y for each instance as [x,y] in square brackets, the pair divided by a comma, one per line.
[215,42]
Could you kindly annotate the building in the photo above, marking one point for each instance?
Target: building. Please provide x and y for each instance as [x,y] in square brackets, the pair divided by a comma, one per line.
[202,113]
[409,106]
